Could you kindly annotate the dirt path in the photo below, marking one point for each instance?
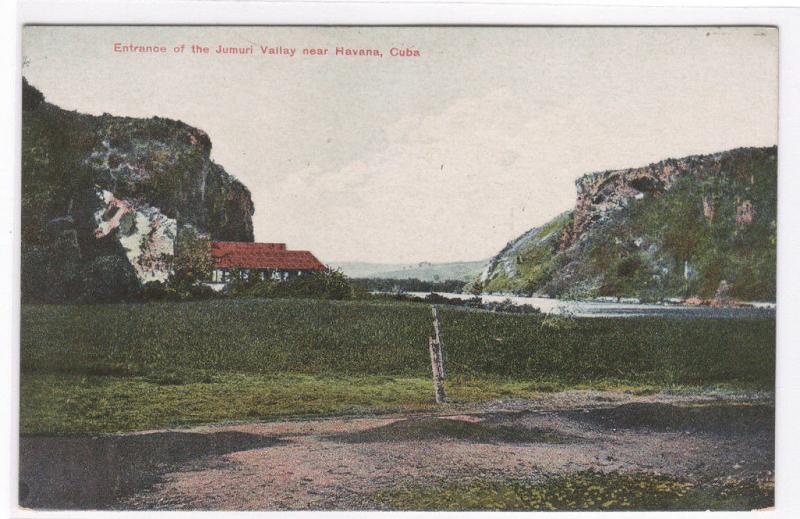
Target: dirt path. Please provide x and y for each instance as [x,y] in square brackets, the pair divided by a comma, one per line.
[340,463]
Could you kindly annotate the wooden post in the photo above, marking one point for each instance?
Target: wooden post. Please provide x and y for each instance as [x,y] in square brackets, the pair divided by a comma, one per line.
[435,350]
[437,337]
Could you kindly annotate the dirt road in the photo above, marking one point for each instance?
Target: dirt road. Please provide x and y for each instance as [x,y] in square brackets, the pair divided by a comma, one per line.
[343,463]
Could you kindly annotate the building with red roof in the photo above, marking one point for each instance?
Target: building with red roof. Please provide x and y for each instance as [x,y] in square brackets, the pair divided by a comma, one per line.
[264,260]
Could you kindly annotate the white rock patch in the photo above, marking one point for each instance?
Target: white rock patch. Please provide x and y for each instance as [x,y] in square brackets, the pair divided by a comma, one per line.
[148,242]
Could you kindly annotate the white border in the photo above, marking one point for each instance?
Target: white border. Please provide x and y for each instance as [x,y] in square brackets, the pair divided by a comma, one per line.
[491,12]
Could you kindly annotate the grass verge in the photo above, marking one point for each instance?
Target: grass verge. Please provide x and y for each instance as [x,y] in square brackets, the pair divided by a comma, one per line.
[586,490]
[59,403]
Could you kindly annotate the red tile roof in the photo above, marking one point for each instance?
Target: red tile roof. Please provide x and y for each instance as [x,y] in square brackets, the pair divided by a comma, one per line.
[230,254]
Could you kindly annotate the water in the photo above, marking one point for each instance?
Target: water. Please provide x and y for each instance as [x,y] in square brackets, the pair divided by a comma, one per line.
[617,309]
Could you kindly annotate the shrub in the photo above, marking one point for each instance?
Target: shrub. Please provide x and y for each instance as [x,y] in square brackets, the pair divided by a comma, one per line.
[154,291]
[108,279]
[201,292]
[327,284]
[193,262]
[177,291]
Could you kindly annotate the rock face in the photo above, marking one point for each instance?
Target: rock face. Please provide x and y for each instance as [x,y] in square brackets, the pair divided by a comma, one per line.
[676,228]
[599,194]
[145,233]
[97,188]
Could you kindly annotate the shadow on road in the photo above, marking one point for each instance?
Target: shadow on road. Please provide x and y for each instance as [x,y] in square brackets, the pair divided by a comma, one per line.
[95,472]
[721,420]
[429,428]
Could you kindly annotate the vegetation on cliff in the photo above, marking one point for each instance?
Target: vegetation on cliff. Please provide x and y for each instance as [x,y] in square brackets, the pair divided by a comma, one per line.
[700,226]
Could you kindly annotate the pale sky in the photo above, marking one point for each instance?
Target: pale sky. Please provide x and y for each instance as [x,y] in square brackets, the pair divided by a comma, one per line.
[442,157]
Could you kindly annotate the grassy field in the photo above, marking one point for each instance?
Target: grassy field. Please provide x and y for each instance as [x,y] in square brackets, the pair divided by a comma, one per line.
[103,368]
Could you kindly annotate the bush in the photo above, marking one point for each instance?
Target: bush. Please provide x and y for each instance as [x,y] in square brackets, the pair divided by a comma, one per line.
[509,307]
[201,292]
[177,291]
[327,284]
[108,279]
[192,262]
[154,291]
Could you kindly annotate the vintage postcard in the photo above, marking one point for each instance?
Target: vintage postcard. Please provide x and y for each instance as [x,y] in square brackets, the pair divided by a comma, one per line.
[398,268]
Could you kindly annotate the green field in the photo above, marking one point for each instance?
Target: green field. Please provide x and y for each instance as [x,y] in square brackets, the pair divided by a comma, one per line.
[104,368]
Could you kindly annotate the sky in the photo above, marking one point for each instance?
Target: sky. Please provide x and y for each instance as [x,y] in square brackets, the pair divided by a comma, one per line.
[445,156]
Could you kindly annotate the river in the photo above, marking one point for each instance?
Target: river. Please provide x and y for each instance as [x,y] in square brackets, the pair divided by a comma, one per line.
[618,309]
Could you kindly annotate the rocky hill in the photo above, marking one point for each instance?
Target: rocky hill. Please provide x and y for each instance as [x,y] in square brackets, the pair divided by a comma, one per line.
[104,199]
[700,226]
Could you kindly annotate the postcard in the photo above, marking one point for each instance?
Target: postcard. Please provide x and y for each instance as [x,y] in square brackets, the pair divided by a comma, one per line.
[398,268]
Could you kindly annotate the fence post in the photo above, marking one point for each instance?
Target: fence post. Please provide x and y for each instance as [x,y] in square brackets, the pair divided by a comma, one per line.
[438,339]
[435,350]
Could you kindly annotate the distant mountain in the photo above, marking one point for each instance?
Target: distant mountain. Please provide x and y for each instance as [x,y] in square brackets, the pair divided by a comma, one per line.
[702,225]
[360,269]
[459,270]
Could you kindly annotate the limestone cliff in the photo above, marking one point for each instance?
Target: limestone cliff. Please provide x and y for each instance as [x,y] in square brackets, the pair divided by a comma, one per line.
[106,196]
[676,228]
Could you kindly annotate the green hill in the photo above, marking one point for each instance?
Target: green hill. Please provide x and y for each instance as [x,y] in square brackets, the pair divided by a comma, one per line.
[456,270]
